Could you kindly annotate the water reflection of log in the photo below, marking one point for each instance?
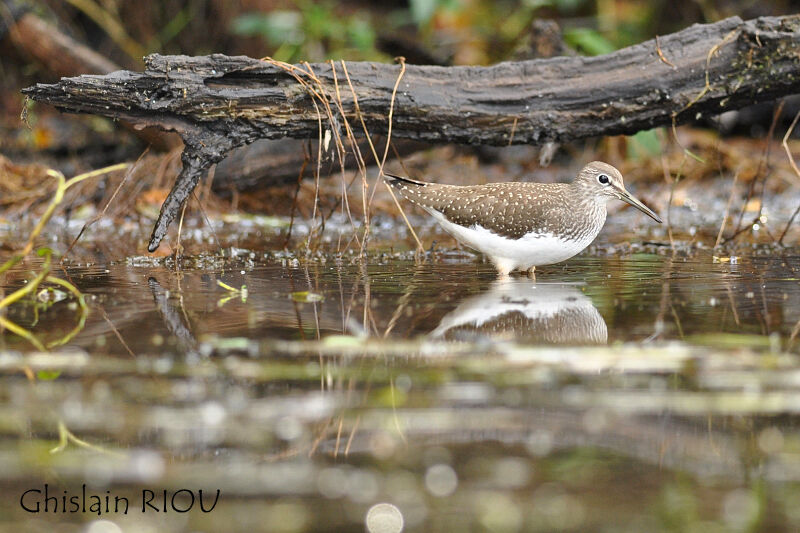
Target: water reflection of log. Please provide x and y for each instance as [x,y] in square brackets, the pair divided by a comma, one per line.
[525,311]
[174,317]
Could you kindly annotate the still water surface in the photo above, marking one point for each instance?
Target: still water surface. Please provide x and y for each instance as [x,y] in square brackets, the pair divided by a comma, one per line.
[636,393]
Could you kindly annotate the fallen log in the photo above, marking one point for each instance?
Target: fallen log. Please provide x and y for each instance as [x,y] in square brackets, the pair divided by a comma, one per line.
[217,102]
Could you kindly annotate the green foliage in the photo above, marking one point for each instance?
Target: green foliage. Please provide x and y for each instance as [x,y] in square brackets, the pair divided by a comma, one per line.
[589,41]
[644,144]
[677,506]
[563,6]
[48,375]
[313,32]
[422,11]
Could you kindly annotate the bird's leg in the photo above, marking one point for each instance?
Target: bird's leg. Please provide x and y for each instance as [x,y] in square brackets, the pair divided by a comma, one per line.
[504,267]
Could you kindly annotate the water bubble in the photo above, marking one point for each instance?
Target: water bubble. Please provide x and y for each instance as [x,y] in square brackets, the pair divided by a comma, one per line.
[147,466]
[435,455]
[498,512]
[511,472]
[382,444]
[595,420]
[384,518]
[212,413]
[331,482]
[740,509]
[103,526]
[403,382]
[288,428]
[559,509]
[362,486]
[770,440]
[441,480]
[540,443]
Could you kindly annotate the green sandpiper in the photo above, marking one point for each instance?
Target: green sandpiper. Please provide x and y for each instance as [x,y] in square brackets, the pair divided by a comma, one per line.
[524,225]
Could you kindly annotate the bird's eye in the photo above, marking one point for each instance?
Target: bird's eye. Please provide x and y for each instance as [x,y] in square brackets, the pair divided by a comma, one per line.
[602,178]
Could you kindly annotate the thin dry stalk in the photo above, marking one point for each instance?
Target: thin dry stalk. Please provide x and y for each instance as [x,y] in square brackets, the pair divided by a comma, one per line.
[338,436]
[513,131]
[352,435]
[335,132]
[714,50]
[364,183]
[794,168]
[108,204]
[362,167]
[381,161]
[206,219]
[661,55]
[320,435]
[402,62]
[674,184]
[294,200]
[394,413]
[317,171]
[700,95]
[116,332]
[727,209]
[178,247]
[297,73]
[763,163]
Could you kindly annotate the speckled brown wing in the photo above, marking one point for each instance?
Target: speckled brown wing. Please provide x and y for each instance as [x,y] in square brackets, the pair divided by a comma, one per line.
[508,209]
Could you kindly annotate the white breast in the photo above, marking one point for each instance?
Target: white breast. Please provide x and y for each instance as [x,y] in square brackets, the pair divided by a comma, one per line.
[523,253]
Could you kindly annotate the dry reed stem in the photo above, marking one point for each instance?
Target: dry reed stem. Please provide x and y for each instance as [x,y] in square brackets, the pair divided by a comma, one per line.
[674,184]
[763,163]
[394,413]
[714,50]
[296,73]
[352,435]
[321,94]
[178,247]
[63,185]
[338,436]
[727,209]
[785,144]
[381,162]
[513,131]
[306,157]
[335,131]
[661,55]
[365,205]
[362,169]
[386,152]
[360,158]
[700,95]
[103,211]
[402,62]
[116,332]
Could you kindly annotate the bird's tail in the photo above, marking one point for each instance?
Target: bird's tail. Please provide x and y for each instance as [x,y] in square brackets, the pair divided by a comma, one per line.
[398,181]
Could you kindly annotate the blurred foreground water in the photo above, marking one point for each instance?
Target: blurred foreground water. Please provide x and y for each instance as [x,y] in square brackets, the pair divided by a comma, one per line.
[636,393]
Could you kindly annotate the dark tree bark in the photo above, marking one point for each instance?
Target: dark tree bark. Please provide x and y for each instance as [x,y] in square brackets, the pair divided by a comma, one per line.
[218,102]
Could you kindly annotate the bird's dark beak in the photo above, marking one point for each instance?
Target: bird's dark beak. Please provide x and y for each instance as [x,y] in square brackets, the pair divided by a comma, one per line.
[627,197]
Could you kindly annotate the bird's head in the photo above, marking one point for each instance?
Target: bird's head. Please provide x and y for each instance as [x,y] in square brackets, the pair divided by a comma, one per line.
[604,182]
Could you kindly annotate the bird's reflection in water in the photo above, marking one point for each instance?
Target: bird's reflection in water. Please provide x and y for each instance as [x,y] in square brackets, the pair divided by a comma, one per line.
[526,311]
